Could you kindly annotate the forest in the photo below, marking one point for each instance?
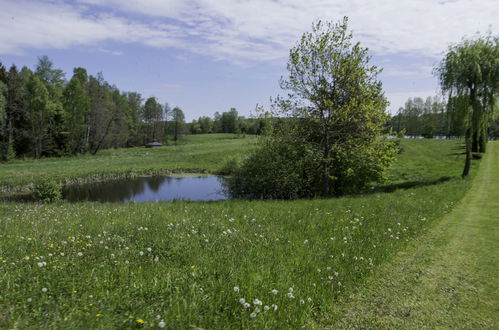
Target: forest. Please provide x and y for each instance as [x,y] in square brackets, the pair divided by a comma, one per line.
[42,114]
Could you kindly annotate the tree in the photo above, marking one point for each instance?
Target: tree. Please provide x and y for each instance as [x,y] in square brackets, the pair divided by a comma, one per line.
[76,103]
[38,113]
[152,114]
[470,70]
[331,124]
[178,122]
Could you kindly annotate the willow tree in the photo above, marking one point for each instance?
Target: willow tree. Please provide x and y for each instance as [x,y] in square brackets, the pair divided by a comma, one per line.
[470,71]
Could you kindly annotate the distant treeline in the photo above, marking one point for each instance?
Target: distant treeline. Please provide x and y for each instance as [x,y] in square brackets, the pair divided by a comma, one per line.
[433,117]
[42,114]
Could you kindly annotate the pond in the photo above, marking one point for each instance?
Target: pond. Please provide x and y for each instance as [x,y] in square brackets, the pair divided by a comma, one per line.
[149,189]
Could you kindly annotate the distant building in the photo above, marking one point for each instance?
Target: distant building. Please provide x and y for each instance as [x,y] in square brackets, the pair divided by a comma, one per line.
[153,144]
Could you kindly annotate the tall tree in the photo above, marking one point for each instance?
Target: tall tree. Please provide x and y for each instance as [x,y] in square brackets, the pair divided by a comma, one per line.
[76,103]
[152,114]
[332,83]
[178,122]
[327,135]
[470,70]
[38,113]
[135,105]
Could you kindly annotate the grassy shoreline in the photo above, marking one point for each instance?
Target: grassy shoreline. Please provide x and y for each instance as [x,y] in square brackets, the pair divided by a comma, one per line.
[196,154]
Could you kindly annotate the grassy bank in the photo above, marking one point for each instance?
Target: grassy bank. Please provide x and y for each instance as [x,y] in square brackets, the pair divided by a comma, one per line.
[193,154]
[229,264]
[446,278]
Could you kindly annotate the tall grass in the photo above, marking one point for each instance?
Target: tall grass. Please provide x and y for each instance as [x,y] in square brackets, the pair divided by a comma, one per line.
[228,264]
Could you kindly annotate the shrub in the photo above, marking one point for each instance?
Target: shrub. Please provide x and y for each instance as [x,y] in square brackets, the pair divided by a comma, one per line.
[48,191]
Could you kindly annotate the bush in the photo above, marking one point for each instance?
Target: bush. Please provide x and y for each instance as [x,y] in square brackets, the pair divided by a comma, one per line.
[47,191]
[279,169]
[230,167]
[289,165]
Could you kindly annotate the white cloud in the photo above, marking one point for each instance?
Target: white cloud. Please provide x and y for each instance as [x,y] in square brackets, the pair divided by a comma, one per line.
[239,31]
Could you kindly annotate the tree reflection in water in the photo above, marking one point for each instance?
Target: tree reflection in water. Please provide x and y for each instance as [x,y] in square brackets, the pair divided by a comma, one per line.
[145,189]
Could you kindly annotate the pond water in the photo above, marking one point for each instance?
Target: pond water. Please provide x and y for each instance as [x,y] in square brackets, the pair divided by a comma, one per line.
[149,189]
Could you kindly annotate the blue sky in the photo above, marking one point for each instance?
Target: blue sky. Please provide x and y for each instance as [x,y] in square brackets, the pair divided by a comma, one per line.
[211,55]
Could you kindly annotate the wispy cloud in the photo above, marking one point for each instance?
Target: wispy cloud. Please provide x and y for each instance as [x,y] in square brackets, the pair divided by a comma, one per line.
[240,31]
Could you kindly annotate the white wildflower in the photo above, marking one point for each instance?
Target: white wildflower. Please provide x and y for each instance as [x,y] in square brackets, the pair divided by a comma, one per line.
[236,289]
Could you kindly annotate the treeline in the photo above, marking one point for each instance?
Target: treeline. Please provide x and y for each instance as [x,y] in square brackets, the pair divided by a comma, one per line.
[44,115]
[227,122]
[432,117]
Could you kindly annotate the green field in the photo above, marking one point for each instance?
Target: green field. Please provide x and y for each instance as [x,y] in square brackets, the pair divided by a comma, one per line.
[228,264]
[194,154]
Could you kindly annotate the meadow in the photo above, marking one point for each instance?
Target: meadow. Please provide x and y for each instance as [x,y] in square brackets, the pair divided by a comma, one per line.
[227,264]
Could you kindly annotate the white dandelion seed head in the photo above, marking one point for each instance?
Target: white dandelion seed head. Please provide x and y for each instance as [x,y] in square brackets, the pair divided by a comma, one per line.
[302,301]
[161,324]
[246,305]
[257,302]
[44,289]
[266,308]
[141,253]
[149,249]
[242,301]
[274,292]
[236,289]
[80,254]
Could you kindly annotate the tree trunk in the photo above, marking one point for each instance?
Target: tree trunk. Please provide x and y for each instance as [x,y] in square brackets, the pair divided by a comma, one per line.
[467,162]
[103,136]
[325,163]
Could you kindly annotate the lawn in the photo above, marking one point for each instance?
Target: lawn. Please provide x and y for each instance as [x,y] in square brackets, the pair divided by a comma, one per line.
[228,264]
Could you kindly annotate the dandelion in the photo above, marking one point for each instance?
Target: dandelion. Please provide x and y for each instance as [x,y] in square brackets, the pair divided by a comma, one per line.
[246,305]
[80,254]
[161,324]
[149,249]
[309,299]
[44,289]
[274,292]
[242,301]
[274,306]
[266,308]
[236,289]
[41,264]
[290,289]
[302,301]
[140,321]
[29,300]
[98,315]
[257,302]
[193,267]
[253,315]
[305,241]
[141,253]
[290,295]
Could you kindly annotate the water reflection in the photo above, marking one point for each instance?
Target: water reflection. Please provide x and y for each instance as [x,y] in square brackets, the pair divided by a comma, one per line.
[146,189]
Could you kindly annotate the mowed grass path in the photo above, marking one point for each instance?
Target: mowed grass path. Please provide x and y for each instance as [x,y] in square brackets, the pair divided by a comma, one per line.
[445,279]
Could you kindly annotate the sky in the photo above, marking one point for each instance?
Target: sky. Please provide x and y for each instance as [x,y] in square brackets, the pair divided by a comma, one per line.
[210,55]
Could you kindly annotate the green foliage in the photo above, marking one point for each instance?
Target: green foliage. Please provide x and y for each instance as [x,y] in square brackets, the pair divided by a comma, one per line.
[329,141]
[230,167]
[469,70]
[47,191]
